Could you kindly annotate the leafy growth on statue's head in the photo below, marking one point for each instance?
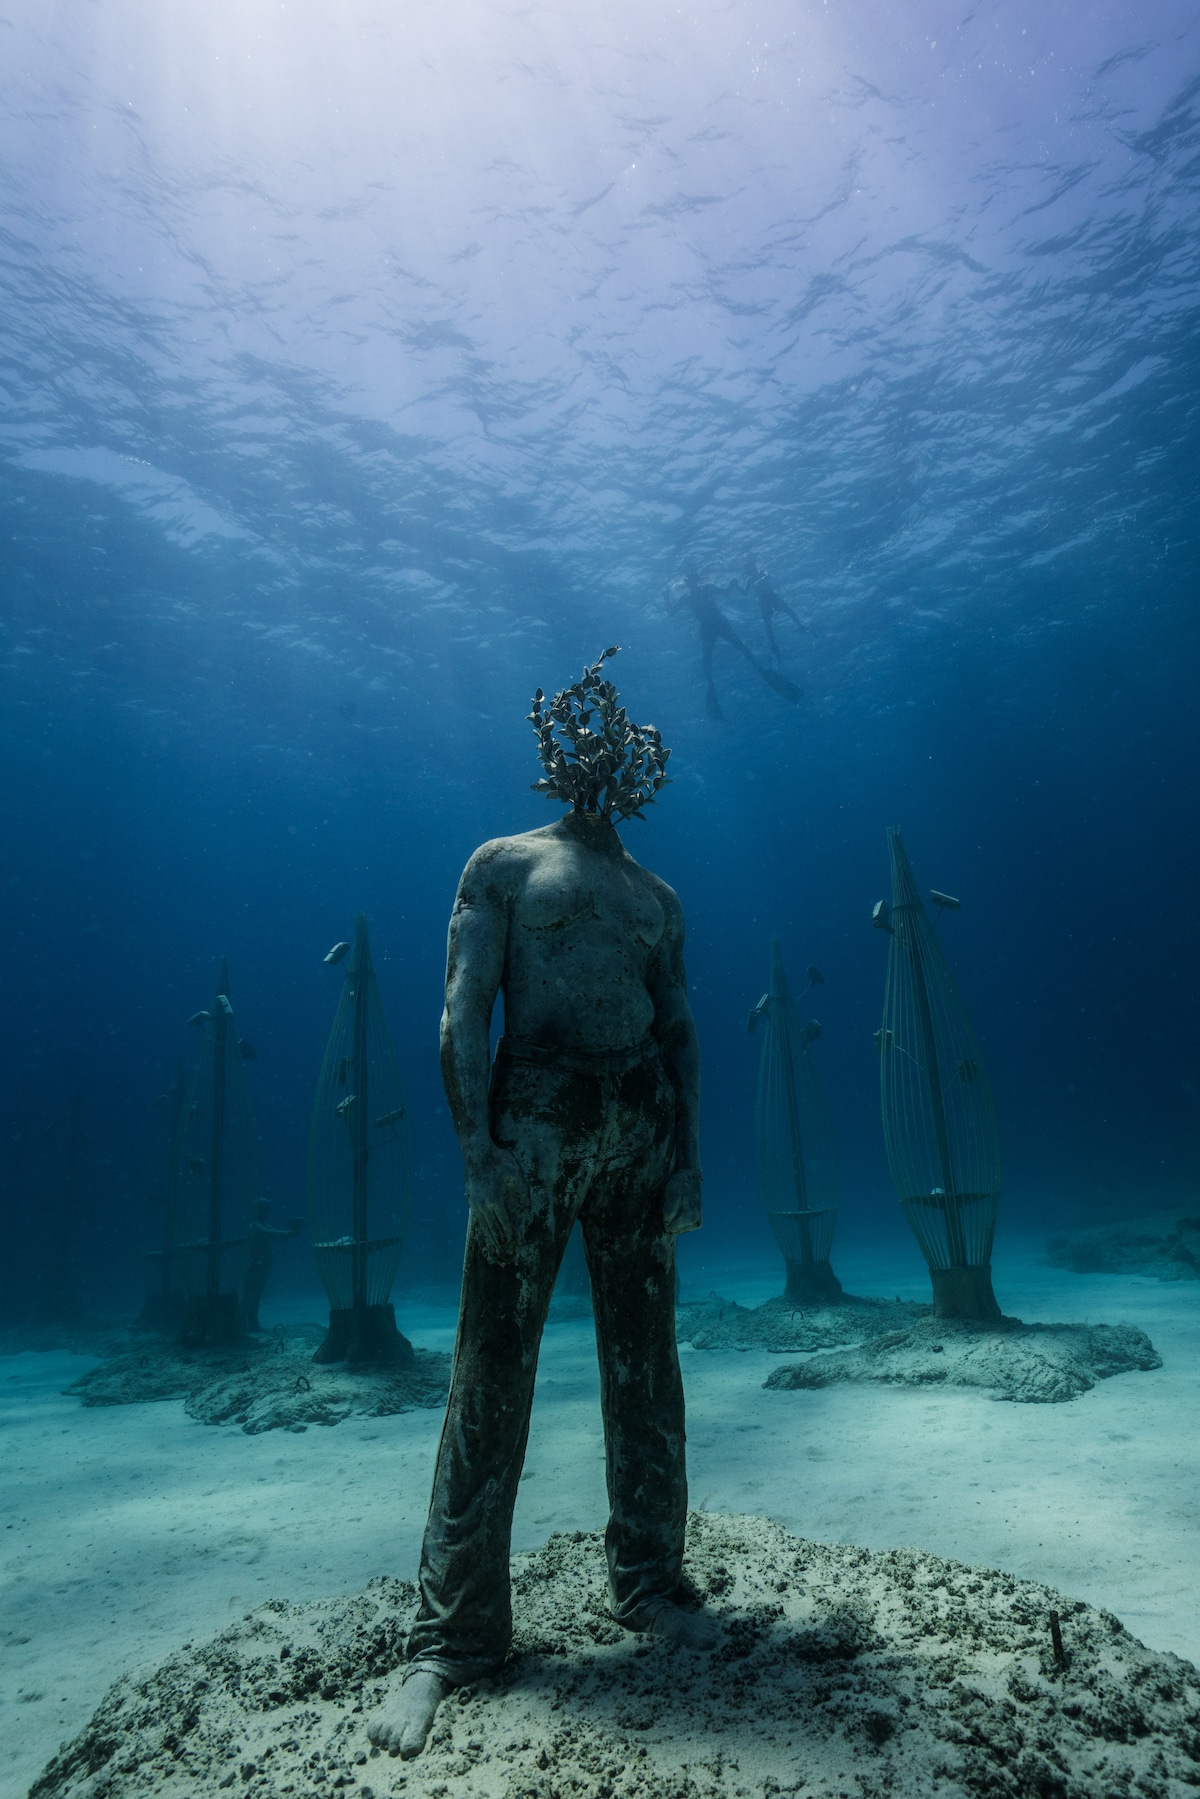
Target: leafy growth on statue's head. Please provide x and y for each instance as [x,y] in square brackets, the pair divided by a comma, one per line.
[595,759]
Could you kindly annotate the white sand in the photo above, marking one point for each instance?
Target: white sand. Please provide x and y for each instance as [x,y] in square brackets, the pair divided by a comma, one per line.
[127,1532]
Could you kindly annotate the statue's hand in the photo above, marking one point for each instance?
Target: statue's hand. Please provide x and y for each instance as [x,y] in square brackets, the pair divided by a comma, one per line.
[681,1202]
[496,1192]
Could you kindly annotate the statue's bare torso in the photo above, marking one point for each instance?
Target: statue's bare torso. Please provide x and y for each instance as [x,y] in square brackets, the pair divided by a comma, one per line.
[584,931]
[587,947]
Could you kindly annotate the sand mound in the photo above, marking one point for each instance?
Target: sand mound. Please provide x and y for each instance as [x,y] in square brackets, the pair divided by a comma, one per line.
[779,1325]
[839,1672]
[271,1384]
[1167,1247]
[1032,1363]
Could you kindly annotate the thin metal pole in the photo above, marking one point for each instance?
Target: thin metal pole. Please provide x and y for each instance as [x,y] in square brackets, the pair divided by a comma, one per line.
[221,1014]
[780,1006]
[911,926]
[360,1112]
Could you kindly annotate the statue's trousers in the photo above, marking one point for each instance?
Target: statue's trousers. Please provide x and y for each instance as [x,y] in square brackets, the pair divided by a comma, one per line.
[595,1138]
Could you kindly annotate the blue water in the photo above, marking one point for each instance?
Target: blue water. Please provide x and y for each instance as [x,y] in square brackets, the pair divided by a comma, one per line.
[365,368]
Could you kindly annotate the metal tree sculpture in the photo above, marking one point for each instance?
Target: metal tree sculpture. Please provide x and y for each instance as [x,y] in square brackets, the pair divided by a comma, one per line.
[359,1169]
[939,1121]
[217,1177]
[794,1140]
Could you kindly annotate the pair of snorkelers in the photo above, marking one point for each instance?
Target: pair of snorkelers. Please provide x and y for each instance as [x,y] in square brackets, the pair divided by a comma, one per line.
[702,599]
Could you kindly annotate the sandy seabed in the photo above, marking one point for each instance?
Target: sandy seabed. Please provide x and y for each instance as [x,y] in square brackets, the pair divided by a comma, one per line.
[126,1532]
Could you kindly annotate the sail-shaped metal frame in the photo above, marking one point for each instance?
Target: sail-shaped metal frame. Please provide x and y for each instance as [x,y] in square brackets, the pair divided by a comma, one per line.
[939,1118]
[215,1177]
[795,1147]
[359,1150]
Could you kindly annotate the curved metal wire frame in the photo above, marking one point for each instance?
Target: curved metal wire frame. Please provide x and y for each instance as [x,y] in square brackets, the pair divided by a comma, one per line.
[359,1154]
[793,1131]
[214,1174]
[939,1119]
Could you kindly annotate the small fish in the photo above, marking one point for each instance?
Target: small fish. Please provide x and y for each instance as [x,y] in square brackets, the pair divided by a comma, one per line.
[390,1118]
[199,1017]
[351,1099]
[337,954]
[248,1051]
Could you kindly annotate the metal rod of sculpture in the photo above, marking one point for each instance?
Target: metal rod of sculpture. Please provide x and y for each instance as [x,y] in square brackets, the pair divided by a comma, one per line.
[61,1297]
[794,1140]
[163,1306]
[939,1119]
[216,1170]
[360,1058]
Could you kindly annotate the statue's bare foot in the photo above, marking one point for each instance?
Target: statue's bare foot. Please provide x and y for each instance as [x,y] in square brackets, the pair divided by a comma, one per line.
[403,1725]
[671,1624]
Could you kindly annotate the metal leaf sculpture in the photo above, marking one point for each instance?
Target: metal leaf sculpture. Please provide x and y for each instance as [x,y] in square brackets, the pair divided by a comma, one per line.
[794,1140]
[359,1169]
[939,1120]
[596,760]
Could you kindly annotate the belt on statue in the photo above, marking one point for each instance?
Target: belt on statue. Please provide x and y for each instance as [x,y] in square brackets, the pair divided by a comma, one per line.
[576,1061]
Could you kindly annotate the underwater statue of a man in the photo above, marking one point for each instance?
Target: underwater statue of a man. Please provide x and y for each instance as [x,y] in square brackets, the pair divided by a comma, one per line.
[590,1112]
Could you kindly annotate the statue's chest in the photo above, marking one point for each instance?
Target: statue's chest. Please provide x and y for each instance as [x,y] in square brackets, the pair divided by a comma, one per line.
[565,900]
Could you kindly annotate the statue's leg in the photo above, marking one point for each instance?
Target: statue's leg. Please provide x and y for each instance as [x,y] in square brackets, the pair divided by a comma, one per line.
[464,1623]
[632,1265]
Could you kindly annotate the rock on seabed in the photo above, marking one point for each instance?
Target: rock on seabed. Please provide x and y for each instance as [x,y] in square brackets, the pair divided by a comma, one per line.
[1036,1364]
[839,1672]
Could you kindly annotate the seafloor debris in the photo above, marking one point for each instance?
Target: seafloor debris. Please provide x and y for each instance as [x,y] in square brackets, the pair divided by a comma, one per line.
[272,1384]
[1167,1247]
[838,1671]
[780,1325]
[1035,1363]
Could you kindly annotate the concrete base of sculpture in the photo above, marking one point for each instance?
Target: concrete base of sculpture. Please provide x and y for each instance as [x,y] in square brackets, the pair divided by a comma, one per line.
[964,1293]
[211,1323]
[839,1671]
[812,1284]
[266,1383]
[1031,1363]
[364,1337]
[161,1313]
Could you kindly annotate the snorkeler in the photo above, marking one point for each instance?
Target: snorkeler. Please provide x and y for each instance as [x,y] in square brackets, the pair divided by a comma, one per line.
[757,581]
[700,598]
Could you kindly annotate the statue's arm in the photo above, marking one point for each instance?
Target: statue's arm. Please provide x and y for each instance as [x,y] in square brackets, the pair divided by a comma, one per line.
[675,1032]
[475,955]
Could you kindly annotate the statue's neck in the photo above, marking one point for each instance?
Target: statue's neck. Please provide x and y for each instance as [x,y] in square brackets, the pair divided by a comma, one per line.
[592,832]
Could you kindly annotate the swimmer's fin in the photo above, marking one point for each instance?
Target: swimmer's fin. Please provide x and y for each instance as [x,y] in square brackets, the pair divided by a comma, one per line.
[781,684]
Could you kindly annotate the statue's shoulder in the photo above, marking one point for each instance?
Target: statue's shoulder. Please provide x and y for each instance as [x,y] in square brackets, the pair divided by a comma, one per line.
[663,892]
[499,864]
